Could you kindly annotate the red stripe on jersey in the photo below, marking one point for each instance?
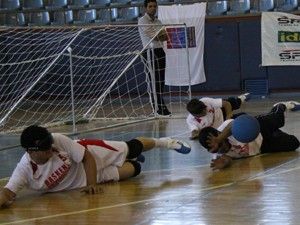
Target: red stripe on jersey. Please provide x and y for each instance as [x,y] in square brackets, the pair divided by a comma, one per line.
[95,142]
[34,167]
[198,119]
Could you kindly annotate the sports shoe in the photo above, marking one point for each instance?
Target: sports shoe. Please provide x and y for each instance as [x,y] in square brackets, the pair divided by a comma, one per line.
[245,97]
[296,105]
[178,146]
[163,111]
[290,105]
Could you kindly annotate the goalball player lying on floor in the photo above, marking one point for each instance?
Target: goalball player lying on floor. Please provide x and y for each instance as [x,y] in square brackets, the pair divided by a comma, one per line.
[54,162]
[268,138]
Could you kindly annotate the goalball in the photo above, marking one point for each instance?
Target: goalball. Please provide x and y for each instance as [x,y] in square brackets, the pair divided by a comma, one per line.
[245,128]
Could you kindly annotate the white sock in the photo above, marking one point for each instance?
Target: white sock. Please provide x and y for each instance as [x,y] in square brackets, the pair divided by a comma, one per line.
[242,97]
[161,142]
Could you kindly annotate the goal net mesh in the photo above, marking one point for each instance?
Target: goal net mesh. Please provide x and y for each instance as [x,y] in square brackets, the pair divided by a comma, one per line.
[51,76]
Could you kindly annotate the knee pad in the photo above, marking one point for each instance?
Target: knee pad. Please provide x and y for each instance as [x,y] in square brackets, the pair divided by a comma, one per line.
[135,148]
[137,167]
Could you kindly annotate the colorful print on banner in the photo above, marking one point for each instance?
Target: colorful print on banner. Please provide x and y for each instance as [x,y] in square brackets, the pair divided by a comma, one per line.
[280,39]
[177,38]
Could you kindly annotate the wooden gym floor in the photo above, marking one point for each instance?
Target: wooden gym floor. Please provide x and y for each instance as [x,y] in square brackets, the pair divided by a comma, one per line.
[174,188]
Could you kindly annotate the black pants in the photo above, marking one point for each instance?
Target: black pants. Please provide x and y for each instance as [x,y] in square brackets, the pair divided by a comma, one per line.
[159,73]
[235,104]
[274,139]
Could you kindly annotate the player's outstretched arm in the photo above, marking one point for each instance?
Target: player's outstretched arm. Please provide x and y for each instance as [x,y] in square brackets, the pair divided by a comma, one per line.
[6,197]
[90,168]
[214,141]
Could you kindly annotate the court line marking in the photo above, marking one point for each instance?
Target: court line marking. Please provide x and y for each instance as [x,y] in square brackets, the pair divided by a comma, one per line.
[158,199]
[263,174]
[4,179]
[109,207]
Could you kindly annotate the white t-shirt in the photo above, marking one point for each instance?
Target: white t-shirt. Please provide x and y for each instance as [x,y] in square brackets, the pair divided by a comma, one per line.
[213,118]
[240,150]
[148,32]
[65,170]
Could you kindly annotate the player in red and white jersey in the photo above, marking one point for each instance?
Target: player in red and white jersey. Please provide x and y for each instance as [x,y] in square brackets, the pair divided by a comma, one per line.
[270,139]
[211,112]
[54,162]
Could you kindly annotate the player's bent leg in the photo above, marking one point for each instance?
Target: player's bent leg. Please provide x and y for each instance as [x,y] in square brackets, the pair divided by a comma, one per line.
[135,148]
[290,105]
[280,143]
[234,102]
[167,143]
[148,143]
[129,169]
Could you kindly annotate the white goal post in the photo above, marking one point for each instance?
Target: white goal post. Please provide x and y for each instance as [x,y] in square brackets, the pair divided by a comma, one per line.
[64,75]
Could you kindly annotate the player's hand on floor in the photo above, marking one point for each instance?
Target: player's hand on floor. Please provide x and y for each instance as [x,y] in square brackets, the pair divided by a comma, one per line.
[92,189]
[194,134]
[7,197]
[220,162]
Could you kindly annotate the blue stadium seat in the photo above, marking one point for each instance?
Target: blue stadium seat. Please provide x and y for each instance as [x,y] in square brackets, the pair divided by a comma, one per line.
[104,15]
[39,18]
[100,3]
[56,4]
[287,5]
[266,5]
[133,13]
[86,16]
[15,19]
[78,4]
[62,17]
[137,3]
[33,4]
[166,2]
[113,14]
[239,7]
[9,4]
[128,14]
[117,3]
[217,8]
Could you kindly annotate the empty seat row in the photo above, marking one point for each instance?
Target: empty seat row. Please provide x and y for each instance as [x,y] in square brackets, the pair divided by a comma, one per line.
[70,17]
[218,8]
[56,4]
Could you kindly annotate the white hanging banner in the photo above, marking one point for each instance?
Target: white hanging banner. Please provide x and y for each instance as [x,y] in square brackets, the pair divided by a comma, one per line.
[194,18]
[280,39]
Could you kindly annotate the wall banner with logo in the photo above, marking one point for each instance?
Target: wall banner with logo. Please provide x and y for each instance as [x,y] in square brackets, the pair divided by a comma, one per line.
[280,39]
[194,17]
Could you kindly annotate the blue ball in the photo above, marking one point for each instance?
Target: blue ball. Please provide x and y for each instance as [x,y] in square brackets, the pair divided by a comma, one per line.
[245,128]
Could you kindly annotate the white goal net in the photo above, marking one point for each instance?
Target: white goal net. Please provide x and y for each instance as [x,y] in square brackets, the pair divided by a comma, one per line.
[55,76]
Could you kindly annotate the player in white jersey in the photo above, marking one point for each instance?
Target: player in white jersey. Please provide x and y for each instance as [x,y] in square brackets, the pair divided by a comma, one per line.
[270,139]
[211,112]
[54,162]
